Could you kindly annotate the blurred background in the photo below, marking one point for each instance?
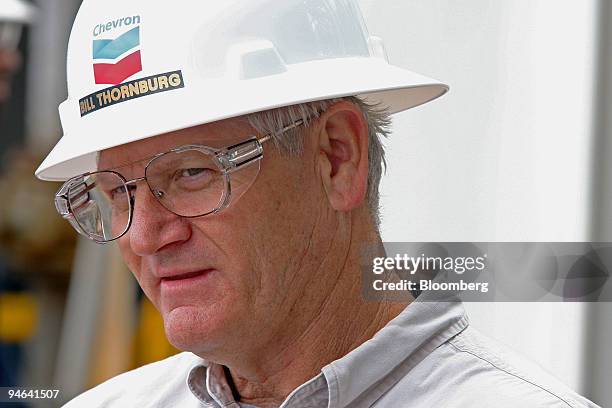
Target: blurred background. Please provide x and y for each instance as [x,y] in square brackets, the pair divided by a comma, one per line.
[518,151]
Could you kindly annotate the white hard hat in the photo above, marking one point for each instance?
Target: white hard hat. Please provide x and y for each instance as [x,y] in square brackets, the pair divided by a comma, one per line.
[141,68]
[17,11]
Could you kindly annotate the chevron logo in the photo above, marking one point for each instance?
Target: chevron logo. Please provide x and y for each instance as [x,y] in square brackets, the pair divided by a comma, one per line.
[118,59]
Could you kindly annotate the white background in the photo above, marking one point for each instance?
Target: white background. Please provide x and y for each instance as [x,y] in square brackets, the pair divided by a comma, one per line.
[507,154]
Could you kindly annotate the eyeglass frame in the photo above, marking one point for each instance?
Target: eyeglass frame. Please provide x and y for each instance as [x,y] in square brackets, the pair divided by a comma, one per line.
[231,158]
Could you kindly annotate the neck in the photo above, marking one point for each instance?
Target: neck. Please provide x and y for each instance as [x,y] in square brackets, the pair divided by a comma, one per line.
[332,322]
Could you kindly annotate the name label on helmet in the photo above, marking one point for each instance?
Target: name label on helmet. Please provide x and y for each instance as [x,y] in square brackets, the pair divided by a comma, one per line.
[131,90]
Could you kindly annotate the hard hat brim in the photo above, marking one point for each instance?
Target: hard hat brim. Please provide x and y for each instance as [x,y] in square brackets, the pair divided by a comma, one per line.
[206,101]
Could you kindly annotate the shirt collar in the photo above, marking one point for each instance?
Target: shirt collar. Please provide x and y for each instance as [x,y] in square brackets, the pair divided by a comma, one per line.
[364,374]
[370,370]
[208,382]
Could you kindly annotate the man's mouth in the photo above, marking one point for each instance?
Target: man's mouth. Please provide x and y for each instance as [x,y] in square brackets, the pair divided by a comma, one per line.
[187,275]
[183,281]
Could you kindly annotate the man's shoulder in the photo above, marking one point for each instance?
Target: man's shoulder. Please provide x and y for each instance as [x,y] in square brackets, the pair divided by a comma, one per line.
[139,387]
[494,372]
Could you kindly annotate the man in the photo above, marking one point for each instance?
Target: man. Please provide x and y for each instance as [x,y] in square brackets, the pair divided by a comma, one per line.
[238,170]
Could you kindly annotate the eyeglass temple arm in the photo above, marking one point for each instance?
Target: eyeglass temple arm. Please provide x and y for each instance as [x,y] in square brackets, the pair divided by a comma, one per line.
[243,153]
[287,128]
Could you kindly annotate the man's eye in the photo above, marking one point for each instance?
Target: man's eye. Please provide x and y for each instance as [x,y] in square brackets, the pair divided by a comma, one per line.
[192,172]
[118,193]
[194,178]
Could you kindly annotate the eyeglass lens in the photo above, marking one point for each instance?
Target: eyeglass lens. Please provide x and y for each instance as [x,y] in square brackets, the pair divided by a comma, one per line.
[188,183]
[101,205]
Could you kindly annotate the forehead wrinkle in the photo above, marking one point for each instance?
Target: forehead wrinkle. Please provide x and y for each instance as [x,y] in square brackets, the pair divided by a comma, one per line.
[126,163]
[134,163]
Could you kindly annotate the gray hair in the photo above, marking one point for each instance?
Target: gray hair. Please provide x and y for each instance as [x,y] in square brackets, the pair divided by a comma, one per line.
[292,142]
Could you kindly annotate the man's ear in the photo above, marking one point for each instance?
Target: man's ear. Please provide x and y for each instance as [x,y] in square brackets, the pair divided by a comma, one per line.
[343,155]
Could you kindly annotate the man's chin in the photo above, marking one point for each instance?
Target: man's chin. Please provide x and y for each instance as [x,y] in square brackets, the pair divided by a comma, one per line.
[191,329]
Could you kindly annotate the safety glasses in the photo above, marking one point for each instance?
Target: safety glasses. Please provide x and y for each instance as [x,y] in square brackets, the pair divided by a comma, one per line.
[189,181]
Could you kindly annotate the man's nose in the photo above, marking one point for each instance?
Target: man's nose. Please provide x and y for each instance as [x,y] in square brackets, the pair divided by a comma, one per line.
[153,226]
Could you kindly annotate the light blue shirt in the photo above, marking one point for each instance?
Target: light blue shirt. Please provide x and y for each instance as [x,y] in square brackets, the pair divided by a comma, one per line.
[428,356]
